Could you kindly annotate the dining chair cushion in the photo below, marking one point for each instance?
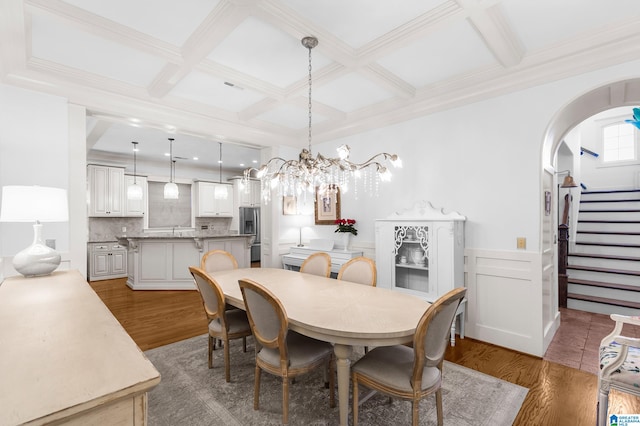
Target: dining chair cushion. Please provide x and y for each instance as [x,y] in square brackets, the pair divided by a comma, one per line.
[302,350]
[393,367]
[629,372]
[236,319]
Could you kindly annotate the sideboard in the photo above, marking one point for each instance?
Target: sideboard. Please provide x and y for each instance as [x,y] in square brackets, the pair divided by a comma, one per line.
[65,358]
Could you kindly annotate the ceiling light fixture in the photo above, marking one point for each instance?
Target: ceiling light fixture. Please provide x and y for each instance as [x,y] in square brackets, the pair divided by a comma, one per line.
[220,192]
[134,191]
[292,177]
[171,191]
[568,181]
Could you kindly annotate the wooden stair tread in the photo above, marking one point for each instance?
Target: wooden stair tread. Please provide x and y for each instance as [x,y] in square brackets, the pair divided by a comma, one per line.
[613,286]
[608,233]
[610,211]
[610,191]
[607,270]
[608,221]
[604,300]
[588,243]
[605,256]
[623,200]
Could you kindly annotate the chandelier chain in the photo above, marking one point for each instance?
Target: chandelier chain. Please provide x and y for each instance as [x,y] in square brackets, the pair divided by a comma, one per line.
[309,99]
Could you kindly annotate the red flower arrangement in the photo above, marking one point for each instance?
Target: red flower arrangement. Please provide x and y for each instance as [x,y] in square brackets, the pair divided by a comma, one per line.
[346,225]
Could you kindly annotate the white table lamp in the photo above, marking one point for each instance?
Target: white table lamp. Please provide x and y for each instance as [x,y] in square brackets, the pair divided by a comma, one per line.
[35,204]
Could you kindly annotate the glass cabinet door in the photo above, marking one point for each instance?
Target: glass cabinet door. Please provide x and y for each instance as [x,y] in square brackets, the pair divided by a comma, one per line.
[412,258]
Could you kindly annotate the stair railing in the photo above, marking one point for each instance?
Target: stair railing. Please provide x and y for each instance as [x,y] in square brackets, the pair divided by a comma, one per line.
[563,253]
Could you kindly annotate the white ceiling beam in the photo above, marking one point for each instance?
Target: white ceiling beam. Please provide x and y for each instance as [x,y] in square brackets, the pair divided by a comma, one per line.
[211,32]
[96,133]
[497,34]
[105,28]
[240,79]
[386,78]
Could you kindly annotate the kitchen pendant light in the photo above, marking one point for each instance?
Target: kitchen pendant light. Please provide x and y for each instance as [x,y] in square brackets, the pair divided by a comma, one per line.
[171,191]
[221,192]
[134,191]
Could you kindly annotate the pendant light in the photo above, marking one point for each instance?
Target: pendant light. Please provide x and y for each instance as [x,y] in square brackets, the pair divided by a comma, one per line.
[134,192]
[221,192]
[171,191]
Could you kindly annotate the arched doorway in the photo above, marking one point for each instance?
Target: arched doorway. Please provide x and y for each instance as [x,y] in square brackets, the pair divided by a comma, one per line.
[616,94]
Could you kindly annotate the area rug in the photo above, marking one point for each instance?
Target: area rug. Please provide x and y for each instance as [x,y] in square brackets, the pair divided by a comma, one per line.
[191,394]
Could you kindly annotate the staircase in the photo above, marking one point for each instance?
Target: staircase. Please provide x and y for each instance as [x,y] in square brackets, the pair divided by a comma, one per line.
[604,262]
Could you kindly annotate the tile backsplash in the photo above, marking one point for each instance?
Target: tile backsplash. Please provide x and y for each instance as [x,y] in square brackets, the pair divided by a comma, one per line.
[106,228]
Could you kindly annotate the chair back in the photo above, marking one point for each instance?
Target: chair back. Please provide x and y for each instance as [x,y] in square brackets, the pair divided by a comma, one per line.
[317,264]
[218,260]
[267,317]
[432,333]
[361,270]
[210,292]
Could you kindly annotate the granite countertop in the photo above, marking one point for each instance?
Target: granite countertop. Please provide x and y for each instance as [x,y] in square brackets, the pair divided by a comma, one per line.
[180,235]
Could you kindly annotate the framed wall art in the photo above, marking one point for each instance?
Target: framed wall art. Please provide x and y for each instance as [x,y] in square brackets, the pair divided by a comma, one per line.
[289,205]
[327,207]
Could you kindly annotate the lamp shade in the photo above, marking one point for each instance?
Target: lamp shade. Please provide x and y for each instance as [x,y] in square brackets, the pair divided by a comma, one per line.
[171,191]
[134,192]
[34,203]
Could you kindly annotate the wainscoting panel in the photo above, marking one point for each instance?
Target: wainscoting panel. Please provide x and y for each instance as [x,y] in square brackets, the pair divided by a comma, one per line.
[505,299]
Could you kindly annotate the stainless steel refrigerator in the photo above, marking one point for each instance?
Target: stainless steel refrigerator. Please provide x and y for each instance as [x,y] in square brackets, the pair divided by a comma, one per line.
[250,224]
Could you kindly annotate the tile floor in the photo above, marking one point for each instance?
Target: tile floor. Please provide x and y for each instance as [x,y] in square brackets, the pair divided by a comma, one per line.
[577,341]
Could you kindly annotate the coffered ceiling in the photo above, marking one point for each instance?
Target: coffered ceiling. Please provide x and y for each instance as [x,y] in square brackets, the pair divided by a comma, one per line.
[235,71]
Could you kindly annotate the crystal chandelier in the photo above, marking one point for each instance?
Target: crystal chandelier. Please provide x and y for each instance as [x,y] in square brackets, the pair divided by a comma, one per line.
[292,177]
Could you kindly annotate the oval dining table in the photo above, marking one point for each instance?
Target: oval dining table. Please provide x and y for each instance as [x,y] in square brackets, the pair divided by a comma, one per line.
[343,313]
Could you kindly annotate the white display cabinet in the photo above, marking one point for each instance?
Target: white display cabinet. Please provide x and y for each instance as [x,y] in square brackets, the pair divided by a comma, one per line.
[420,251]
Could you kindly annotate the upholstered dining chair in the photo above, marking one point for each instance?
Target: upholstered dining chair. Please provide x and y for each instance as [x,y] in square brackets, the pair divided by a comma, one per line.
[619,365]
[223,324]
[361,270]
[411,373]
[280,351]
[218,260]
[317,264]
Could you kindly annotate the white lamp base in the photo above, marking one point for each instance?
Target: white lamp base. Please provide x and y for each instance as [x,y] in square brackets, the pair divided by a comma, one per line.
[37,259]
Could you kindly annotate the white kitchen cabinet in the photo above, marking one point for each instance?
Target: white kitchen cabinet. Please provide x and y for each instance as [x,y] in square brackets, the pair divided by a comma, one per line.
[106,191]
[421,251]
[107,261]
[248,195]
[214,199]
[135,208]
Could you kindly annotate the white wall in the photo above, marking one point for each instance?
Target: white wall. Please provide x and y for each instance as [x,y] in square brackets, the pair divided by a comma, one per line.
[34,150]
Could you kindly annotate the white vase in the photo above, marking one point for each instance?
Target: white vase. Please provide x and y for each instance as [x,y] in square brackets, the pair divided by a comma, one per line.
[346,239]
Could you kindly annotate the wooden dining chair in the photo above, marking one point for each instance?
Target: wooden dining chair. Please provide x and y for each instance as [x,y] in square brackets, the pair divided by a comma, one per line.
[223,324]
[218,260]
[361,270]
[411,373]
[619,365]
[317,264]
[280,351]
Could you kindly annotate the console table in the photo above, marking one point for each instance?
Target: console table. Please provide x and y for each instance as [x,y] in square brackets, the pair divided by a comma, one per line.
[65,358]
[297,255]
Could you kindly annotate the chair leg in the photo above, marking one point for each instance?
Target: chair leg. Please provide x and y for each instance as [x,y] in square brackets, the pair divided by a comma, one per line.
[285,400]
[211,347]
[355,398]
[415,408]
[227,367]
[244,344]
[438,406]
[603,407]
[256,389]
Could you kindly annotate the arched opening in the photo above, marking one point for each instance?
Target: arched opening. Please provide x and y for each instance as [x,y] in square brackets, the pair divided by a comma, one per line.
[556,157]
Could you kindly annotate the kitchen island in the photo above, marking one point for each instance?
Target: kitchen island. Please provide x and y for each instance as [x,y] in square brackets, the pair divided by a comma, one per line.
[161,261]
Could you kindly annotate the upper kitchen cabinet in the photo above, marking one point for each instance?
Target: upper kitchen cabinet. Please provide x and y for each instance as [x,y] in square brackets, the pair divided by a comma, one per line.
[247,195]
[135,208]
[214,199]
[106,191]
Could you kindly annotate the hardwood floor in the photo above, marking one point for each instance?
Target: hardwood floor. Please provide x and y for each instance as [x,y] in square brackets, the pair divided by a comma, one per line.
[558,395]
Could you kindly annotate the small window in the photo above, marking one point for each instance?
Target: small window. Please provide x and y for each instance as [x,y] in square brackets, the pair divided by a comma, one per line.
[618,142]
